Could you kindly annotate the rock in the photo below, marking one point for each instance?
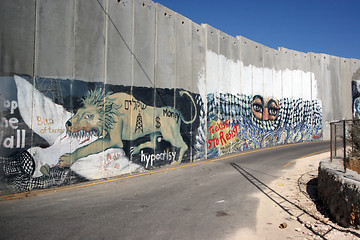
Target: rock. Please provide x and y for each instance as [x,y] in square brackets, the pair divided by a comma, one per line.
[283,225]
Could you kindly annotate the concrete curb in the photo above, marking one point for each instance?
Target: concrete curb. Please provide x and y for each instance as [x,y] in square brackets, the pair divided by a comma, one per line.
[340,192]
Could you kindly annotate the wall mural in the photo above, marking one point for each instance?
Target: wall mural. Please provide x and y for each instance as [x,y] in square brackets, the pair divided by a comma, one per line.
[238,123]
[60,131]
[95,132]
[355,86]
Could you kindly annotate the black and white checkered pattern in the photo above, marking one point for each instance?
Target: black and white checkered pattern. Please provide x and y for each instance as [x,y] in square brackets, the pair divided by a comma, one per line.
[19,170]
[292,112]
[19,163]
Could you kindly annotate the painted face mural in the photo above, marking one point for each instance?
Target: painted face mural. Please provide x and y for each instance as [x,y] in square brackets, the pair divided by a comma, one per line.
[237,123]
[265,112]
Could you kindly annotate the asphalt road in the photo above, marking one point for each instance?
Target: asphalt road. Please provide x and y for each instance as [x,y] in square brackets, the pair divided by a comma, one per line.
[207,200]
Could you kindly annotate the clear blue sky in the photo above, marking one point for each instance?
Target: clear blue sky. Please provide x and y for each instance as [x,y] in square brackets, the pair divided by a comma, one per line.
[320,26]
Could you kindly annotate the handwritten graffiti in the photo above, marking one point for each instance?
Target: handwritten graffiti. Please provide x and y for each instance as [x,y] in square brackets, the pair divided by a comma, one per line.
[150,159]
[136,103]
[111,158]
[221,133]
[171,114]
[47,122]
[44,121]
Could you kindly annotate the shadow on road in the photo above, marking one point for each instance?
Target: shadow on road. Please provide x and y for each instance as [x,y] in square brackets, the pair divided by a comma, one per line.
[290,207]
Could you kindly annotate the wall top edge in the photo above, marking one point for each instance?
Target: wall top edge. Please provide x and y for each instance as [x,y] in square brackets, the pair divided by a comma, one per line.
[242,38]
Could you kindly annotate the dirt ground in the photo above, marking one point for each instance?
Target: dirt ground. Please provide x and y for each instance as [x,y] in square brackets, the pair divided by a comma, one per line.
[290,209]
[354,164]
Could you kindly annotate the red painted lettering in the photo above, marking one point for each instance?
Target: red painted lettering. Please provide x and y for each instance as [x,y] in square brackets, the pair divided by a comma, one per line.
[223,141]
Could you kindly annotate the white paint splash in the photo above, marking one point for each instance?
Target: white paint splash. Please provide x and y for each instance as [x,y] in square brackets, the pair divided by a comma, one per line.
[35,107]
[224,75]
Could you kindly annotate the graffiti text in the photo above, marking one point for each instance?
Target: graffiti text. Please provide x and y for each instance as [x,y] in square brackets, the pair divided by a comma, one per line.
[151,158]
[171,114]
[221,133]
[137,104]
[18,139]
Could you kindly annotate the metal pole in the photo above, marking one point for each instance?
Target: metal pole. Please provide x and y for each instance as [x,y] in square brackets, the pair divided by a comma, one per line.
[335,138]
[331,141]
[344,143]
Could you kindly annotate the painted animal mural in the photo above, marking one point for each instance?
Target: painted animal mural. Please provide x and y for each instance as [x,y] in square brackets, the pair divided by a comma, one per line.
[106,116]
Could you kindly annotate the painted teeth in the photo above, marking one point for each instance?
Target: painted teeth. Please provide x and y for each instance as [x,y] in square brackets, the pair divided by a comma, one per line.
[79,135]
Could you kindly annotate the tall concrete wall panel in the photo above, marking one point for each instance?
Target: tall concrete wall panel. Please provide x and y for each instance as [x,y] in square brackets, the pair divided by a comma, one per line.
[212,76]
[277,75]
[198,66]
[335,82]
[326,88]
[184,58]
[246,72]
[144,43]
[183,78]
[306,76]
[54,57]
[165,58]
[119,42]
[287,74]
[236,67]
[316,90]
[345,87]
[268,71]
[90,30]
[257,70]
[198,56]
[95,89]
[297,80]
[14,44]
[235,83]
[224,81]
[212,59]
[55,38]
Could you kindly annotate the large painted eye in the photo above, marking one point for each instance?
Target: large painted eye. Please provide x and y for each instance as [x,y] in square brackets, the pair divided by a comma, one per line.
[88,116]
[273,111]
[257,107]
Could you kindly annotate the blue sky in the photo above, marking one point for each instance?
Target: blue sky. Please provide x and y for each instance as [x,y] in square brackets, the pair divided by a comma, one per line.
[320,26]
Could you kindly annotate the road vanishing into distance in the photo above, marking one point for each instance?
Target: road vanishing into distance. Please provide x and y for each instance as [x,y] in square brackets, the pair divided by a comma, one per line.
[208,199]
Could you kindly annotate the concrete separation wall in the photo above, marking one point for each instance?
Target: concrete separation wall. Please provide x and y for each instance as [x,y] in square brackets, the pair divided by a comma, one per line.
[99,88]
[340,192]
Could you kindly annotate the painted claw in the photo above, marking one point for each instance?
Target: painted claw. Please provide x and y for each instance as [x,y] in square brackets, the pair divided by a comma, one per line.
[65,161]
[45,169]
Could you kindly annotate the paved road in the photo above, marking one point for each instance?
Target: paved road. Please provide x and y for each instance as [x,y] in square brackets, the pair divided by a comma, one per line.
[211,200]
